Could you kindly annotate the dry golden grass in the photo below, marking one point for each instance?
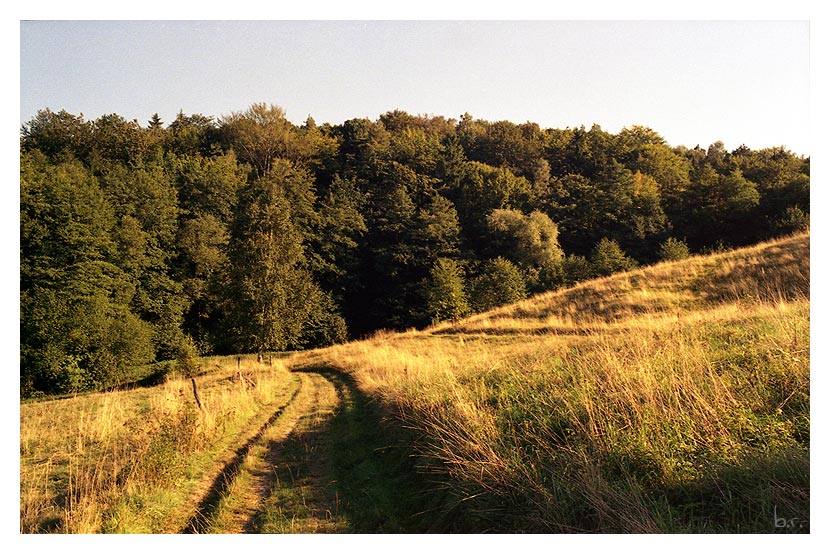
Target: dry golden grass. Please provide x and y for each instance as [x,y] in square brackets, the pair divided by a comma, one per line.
[131,460]
[597,407]
[671,398]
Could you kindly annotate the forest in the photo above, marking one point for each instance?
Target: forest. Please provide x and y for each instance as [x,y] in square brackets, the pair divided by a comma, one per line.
[248,233]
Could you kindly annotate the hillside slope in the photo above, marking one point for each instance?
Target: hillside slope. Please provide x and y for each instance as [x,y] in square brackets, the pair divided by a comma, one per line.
[671,398]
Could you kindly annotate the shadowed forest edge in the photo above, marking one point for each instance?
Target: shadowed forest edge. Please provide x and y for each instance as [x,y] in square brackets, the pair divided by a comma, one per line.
[247,233]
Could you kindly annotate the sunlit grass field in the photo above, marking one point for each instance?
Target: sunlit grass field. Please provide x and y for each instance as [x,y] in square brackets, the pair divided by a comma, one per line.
[127,461]
[673,398]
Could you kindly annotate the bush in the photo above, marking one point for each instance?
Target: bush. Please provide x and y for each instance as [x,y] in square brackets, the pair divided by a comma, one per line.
[673,249]
[609,258]
[444,295]
[72,343]
[500,283]
[187,362]
[793,220]
[576,268]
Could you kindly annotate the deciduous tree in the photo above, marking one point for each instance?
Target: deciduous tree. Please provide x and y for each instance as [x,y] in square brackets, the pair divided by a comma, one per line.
[445,297]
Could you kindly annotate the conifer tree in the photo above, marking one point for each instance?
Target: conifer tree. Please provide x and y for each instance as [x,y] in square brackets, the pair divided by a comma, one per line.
[672,249]
[608,258]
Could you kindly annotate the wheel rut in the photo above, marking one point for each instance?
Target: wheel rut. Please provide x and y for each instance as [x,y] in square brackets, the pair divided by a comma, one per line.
[322,464]
[220,485]
[236,498]
[274,468]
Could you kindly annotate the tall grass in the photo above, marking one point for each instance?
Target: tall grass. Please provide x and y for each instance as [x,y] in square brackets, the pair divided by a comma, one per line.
[672,398]
[130,461]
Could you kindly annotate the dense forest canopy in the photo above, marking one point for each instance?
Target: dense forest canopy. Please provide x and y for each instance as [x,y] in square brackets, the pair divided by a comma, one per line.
[248,233]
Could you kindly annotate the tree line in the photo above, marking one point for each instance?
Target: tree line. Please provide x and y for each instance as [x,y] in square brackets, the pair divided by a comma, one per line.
[248,233]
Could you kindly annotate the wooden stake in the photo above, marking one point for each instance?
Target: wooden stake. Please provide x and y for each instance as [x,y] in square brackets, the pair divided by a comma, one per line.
[196,394]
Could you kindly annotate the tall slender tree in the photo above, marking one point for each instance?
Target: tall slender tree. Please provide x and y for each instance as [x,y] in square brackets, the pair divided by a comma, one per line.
[266,255]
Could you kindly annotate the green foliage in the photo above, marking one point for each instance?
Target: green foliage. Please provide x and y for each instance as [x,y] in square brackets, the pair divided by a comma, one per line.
[275,302]
[146,194]
[445,298]
[416,148]
[260,136]
[208,186]
[608,258]
[116,139]
[502,144]
[80,334]
[673,249]
[793,220]
[364,147]
[616,203]
[333,255]
[191,135]
[725,202]
[186,358]
[78,330]
[251,232]
[650,155]
[576,268]
[390,276]
[485,188]
[65,216]
[529,241]
[437,229]
[499,282]
[56,134]
[201,244]
[323,325]
[266,255]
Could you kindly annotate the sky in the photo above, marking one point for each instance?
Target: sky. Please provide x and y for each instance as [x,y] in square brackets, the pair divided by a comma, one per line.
[694,82]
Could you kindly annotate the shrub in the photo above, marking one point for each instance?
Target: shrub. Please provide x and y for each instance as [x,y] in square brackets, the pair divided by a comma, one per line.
[187,362]
[500,283]
[444,294]
[673,249]
[576,268]
[609,258]
[793,220]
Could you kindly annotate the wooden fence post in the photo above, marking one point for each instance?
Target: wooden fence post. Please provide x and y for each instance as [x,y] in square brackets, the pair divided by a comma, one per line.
[196,394]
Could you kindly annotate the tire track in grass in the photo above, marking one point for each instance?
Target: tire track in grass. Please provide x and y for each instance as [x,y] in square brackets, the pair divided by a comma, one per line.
[198,522]
[272,465]
[323,464]
[341,470]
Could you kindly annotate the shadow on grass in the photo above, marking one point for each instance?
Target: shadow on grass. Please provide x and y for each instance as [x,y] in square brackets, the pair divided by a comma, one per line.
[220,486]
[765,494]
[355,471]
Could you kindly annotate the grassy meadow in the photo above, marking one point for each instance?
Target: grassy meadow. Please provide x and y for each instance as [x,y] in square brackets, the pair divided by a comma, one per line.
[672,398]
[133,460]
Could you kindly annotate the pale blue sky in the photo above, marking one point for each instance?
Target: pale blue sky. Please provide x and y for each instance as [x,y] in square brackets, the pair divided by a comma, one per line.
[693,82]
